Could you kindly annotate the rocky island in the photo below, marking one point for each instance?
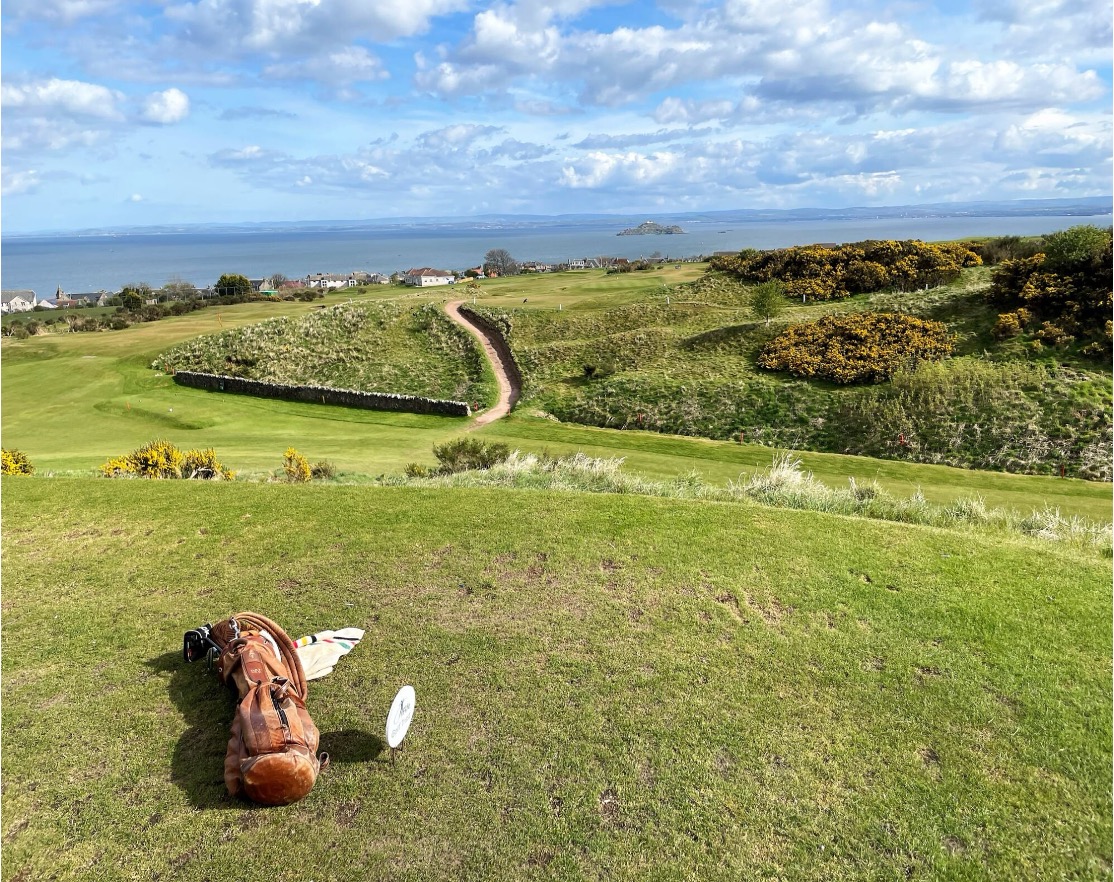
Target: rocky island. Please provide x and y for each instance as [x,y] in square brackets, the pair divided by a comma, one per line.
[649,228]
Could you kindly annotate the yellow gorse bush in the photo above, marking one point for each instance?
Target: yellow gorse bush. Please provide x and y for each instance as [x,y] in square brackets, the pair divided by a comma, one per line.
[15,462]
[161,459]
[296,466]
[815,272]
[858,348]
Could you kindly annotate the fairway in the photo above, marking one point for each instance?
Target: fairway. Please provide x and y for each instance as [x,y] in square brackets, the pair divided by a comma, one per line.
[607,687]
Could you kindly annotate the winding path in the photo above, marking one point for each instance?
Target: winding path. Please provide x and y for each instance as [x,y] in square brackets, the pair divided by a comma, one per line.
[506,371]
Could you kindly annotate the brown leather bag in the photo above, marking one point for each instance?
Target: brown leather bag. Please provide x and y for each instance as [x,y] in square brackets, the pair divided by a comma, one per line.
[271,756]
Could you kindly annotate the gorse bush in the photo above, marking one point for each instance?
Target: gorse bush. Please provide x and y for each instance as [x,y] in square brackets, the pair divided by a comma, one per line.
[816,272]
[1066,289]
[160,459]
[15,462]
[469,454]
[462,455]
[296,467]
[856,348]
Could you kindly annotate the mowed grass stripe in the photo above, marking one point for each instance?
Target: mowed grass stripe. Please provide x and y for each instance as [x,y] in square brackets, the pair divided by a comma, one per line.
[607,686]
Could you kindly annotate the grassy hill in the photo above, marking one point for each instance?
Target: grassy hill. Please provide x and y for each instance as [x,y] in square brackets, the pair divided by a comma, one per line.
[682,359]
[607,686]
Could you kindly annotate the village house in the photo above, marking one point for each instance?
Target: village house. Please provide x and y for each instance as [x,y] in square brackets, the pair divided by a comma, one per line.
[427,276]
[18,300]
[89,298]
[329,281]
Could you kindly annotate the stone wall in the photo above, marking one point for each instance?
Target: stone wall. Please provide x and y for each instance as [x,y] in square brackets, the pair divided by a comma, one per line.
[323,394]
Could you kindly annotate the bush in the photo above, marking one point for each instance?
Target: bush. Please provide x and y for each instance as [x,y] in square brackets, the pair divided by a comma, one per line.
[160,459]
[323,470]
[204,464]
[468,454]
[296,467]
[856,348]
[15,462]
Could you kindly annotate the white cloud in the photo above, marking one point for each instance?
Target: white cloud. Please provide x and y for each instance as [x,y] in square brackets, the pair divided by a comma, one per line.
[339,68]
[166,108]
[21,181]
[263,25]
[135,197]
[70,97]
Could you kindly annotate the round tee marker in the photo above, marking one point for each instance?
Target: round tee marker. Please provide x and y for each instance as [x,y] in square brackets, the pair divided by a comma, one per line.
[399,717]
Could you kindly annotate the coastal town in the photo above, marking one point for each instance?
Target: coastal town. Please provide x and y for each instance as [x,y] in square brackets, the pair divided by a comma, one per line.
[278,285]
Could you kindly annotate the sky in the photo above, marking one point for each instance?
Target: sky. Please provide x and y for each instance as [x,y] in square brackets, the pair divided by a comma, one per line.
[118,112]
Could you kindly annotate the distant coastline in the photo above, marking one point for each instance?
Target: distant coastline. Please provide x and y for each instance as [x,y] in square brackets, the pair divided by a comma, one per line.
[1083,207]
[83,262]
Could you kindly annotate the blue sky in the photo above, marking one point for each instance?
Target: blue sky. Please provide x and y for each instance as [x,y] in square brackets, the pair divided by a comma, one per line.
[187,111]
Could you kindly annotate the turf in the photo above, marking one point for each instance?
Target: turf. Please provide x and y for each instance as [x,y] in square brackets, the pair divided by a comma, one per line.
[608,687]
[71,401]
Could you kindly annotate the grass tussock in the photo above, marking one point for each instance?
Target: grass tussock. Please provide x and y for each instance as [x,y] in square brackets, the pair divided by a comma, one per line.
[784,484]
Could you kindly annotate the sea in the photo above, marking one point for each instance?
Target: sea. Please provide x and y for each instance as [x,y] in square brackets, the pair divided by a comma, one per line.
[109,261]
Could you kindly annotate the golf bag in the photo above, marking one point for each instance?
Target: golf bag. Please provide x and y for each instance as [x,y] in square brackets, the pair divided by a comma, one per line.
[272,751]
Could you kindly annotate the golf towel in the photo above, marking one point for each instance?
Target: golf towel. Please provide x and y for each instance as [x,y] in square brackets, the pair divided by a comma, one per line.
[321,651]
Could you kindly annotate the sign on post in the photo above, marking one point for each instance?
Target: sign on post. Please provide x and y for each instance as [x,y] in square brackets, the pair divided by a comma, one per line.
[399,716]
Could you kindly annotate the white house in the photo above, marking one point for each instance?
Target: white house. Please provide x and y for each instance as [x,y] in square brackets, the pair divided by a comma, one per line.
[18,301]
[328,281]
[427,276]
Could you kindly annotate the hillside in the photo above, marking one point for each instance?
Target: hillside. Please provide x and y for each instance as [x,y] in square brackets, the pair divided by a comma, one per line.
[682,360]
[695,691]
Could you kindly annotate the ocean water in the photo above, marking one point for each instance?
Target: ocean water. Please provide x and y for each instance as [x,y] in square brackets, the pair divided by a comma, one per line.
[108,262]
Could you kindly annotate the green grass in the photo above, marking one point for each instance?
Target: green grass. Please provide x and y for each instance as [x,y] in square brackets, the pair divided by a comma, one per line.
[682,359]
[73,400]
[608,687]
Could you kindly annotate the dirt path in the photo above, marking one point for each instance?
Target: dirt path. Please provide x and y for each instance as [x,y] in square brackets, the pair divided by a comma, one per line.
[506,372]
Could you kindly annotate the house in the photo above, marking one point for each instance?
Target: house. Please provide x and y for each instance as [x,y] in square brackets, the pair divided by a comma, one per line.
[90,298]
[585,263]
[427,276]
[533,266]
[329,281]
[18,300]
[378,279]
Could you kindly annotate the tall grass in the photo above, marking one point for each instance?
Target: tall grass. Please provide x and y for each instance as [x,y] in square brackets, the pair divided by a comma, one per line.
[783,484]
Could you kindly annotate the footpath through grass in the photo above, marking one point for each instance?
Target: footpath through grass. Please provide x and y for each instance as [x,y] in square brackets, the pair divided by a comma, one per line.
[608,687]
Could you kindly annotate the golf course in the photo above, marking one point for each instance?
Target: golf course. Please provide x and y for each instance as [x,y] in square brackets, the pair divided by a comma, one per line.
[637,653]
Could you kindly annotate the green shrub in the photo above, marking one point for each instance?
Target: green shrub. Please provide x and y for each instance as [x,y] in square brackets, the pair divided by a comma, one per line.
[15,462]
[468,454]
[323,470]
[856,348]
[296,467]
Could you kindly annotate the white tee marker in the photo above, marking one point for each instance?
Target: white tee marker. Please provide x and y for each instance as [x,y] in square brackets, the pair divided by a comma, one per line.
[399,717]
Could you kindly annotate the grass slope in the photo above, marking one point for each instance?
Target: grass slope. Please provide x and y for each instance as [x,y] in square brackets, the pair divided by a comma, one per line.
[73,400]
[683,360]
[607,687]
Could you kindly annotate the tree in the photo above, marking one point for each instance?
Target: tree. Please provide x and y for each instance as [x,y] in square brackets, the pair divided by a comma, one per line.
[132,298]
[277,280]
[178,289]
[233,285]
[498,261]
[766,300]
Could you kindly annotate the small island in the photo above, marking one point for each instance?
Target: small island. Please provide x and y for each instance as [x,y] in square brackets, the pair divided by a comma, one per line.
[649,228]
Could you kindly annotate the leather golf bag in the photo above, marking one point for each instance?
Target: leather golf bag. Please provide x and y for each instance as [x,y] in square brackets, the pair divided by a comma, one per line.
[272,753]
